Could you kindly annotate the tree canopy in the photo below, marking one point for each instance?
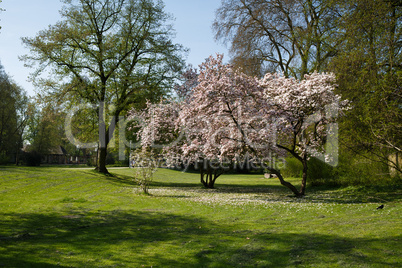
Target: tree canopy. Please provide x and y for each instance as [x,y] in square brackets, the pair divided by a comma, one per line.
[369,68]
[13,108]
[112,54]
[291,37]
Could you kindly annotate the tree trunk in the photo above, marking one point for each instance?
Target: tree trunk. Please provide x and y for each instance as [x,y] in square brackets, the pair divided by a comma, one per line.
[304,177]
[101,166]
[103,141]
[209,176]
[206,178]
[286,183]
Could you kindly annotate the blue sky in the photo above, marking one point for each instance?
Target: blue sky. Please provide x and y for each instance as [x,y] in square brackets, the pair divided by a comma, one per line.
[24,18]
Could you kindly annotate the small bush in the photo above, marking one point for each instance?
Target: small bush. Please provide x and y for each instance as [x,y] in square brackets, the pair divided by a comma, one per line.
[91,162]
[4,158]
[110,159]
[352,170]
[320,173]
[32,159]
[120,163]
[292,169]
[145,165]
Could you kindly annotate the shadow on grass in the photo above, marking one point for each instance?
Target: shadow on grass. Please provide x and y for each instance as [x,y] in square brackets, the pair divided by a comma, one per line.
[116,179]
[352,195]
[153,238]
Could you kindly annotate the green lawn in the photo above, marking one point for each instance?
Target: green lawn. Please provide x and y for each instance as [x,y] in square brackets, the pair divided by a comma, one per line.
[66,217]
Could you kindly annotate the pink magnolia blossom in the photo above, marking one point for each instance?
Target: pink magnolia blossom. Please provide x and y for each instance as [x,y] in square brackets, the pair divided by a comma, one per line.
[307,110]
[228,115]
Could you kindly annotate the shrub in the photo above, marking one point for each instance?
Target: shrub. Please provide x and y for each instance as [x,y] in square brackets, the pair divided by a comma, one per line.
[352,170]
[292,169]
[110,159]
[320,173]
[357,170]
[4,158]
[91,162]
[145,165]
[32,159]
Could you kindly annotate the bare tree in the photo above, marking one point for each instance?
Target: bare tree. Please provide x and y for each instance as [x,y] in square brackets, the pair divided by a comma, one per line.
[288,36]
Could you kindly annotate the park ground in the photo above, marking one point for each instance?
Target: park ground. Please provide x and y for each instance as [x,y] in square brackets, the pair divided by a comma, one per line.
[69,217]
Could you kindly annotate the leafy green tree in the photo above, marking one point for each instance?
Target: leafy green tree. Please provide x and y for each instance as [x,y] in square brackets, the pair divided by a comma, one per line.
[13,104]
[369,72]
[112,54]
[45,128]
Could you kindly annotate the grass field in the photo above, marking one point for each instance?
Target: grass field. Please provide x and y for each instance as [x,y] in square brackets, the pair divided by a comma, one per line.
[66,217]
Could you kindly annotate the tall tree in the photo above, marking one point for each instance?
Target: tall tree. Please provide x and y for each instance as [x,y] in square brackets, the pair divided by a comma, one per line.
[291,37]
[45,125]
[13,107]
[369,73]
[105,53]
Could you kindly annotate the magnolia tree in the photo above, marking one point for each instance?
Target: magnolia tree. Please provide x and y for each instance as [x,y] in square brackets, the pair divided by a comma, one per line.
[230,118]
[226,121]
[307,113]
[179,145]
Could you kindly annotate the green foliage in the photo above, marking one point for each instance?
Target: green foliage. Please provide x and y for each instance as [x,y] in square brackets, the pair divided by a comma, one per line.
[4,158]
[293,168]
[359,170]
[369,75]
[91,162]
[13,105]
[320,173]
[46,128]
[352,170]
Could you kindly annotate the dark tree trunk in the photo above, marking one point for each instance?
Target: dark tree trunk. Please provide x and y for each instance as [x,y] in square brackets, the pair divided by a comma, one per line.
[101,166]
[303,160]
[208,176]
[103,141]
[286,183]
[206,179]
[304,177]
